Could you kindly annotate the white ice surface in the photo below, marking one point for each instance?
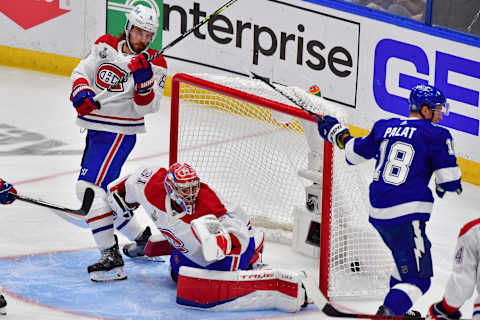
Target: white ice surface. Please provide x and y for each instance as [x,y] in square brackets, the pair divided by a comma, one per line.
[35,109]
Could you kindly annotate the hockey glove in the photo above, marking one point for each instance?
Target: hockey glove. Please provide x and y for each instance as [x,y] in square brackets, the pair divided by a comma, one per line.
[119,206]
[5,188]
[333,131]
[437,312]
[142,74]
[82,99]
[440,189]
[215,240]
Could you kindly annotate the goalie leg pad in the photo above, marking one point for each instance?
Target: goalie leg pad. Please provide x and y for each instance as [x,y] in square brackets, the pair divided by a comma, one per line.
[240,290]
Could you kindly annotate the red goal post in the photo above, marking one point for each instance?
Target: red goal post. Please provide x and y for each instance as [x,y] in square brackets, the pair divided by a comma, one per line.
[227,127]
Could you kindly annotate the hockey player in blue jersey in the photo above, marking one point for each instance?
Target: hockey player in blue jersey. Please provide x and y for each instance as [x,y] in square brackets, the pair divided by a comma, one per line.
[407,153]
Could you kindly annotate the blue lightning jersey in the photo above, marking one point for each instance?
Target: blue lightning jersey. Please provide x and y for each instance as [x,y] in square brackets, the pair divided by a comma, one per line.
[407,153]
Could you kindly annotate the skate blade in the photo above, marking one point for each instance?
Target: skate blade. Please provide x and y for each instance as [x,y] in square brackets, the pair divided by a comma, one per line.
[112,275]
[3,311]
[154,259]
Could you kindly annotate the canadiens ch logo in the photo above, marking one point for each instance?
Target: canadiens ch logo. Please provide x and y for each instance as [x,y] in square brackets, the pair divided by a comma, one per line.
[108,74]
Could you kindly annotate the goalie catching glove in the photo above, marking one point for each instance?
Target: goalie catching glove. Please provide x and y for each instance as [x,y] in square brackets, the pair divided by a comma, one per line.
[333,131]
[215,240]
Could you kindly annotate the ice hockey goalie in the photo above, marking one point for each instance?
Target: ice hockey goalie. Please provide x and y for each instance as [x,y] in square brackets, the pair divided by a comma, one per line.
[215,248]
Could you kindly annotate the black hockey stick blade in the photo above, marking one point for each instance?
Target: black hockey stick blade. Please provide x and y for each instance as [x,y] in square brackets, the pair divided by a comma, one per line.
[265,80]
[314,294]
[331,311]
[83,211]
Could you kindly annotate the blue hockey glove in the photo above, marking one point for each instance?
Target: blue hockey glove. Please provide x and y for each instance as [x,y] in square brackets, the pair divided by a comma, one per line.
[82,99]
[333,131]
[440,189]
[438,312]
[142,73]
[5,188]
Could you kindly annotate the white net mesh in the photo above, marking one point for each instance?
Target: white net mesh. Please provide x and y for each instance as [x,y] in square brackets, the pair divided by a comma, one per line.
[251,154]
[360,264]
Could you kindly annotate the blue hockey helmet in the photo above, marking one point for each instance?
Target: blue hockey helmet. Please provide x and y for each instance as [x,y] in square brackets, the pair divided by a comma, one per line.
[424,94]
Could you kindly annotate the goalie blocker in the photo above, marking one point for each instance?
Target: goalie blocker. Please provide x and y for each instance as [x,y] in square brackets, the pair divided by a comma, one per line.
[241,290]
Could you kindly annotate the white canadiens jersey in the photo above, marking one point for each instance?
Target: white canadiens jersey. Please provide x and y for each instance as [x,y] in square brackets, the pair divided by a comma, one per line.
[466,269]
[105,65]
[146,187]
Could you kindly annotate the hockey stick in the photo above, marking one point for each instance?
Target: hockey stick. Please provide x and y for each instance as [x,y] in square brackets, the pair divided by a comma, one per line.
[264,80]
[171,44]
[82,212]
[327,308]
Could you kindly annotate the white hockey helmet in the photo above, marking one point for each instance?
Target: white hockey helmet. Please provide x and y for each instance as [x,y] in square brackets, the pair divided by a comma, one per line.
[144,18]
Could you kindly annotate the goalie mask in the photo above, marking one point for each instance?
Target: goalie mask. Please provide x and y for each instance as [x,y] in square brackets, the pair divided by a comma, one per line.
[182,185]
[144,18]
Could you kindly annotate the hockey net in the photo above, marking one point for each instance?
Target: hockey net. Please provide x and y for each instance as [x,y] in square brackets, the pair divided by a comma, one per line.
[248,142]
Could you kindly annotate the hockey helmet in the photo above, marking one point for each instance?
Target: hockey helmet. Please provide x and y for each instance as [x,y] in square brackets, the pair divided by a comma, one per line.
[144,18]
[424,94]
[182,185]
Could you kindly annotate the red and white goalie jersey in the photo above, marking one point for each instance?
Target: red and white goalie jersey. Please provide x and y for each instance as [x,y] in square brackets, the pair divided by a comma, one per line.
[147,188]
[121,110]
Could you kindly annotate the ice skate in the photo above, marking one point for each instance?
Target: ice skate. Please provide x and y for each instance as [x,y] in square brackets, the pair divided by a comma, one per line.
[3,305]
[411,314]
[109,267]
[136,249]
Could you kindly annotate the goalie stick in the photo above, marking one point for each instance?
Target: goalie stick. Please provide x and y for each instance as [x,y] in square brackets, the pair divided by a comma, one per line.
[264,80]
[82,212]
[168,46]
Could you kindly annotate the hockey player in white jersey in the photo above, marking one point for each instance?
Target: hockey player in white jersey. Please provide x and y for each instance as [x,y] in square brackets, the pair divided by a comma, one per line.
[464,278]
[407,152]
[214,243]
[113,123]
[5,198]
